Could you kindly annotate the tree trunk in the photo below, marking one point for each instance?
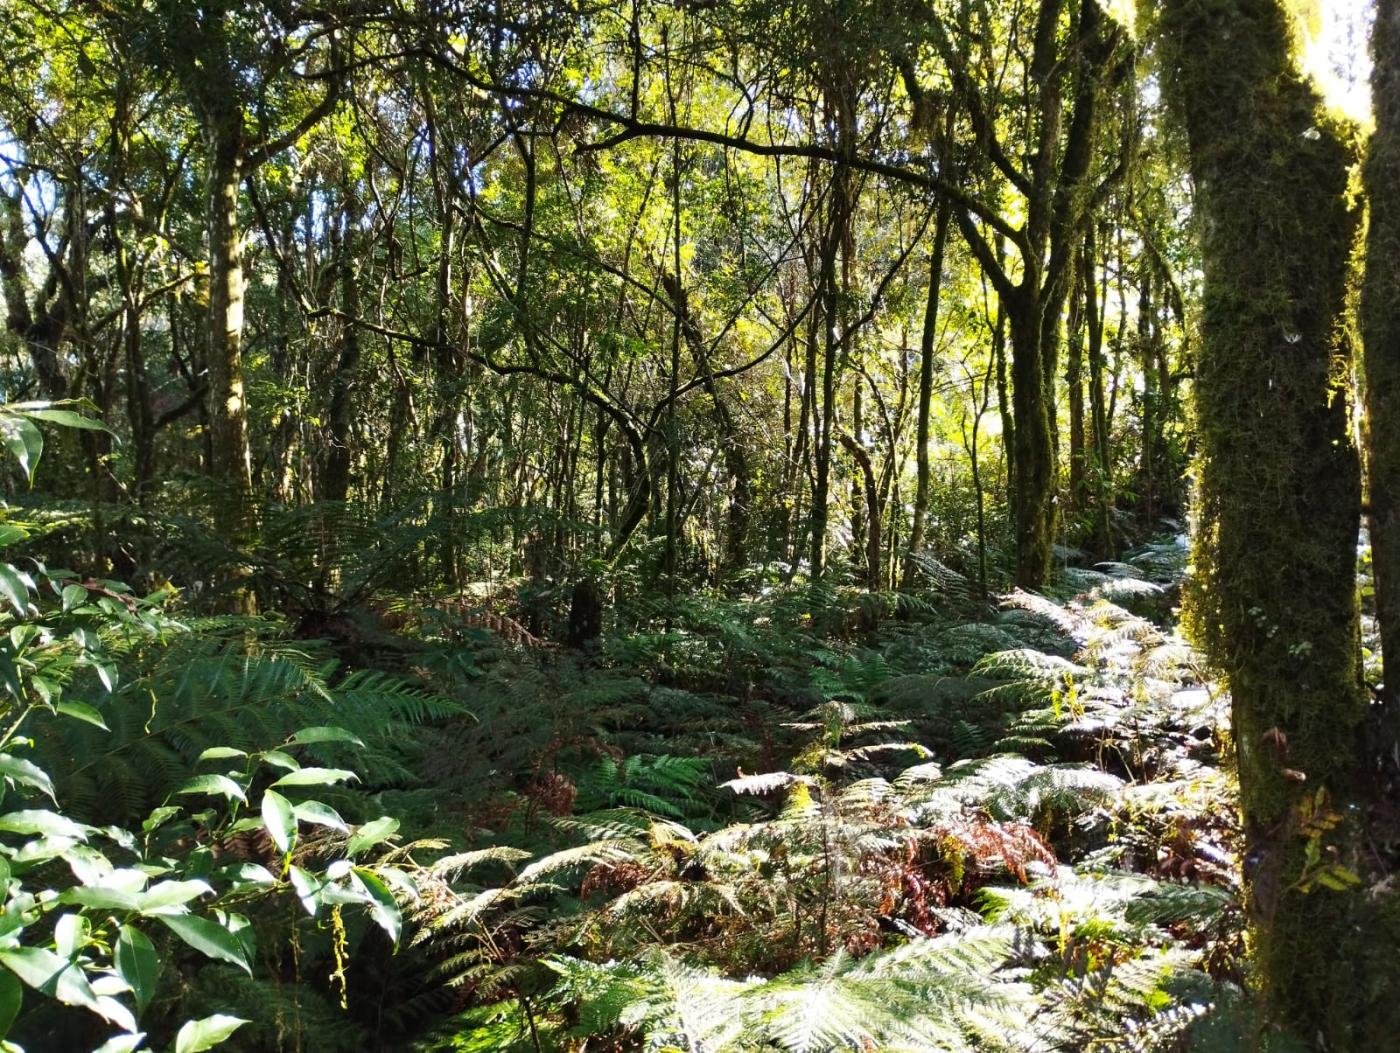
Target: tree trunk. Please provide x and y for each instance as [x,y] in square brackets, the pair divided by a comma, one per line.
[874,576]
[1380,318]
[336,482]
[926,364]
[228,411]
[1033,451]
[1275,600]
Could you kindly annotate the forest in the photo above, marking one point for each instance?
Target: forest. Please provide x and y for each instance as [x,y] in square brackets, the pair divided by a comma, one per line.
[700,526]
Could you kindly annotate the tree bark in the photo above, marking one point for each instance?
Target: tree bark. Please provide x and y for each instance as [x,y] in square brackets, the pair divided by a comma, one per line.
[927,349]
[1274,601]
[1380,318]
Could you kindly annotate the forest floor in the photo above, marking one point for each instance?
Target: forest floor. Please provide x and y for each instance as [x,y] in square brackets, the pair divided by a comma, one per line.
[826,820]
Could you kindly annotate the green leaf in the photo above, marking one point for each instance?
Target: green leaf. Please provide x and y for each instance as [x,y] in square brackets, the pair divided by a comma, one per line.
[220,785]
[253,875]
[208,937]
[122,1043]
[50,974]
[371,834]
[26,773]
[220,753]
[382,905]
[68,419]
[158,899]
[308,888]
[198,1035]
[47,824]
[24,440]
[12,588]
[137,964]
[10,533]
[73,596]
[320,814]
[316,777]
[102,897]
[11,995]
[279,819]
[278,759]
[308,736]
[84,712]
[70,934]
[160,817]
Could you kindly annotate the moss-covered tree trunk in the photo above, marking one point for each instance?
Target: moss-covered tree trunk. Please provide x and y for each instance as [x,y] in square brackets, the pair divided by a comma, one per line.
[1278,514]
[1380,317]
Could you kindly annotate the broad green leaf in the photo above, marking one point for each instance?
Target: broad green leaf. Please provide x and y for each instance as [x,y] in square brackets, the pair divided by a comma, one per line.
[316,777]
[10,533]
[122,1043]
[382,905]
[110,1009]
[11,995]
[279,819]
[371,834]
[308,888]
[308,736]
[208,937]
[48,824]
[89,865]
[219,785]
[99,898]
[220,753]
[320,814]
[254,874]
[198,1035]
[84,712]
[398,879]
[73,596]
[278,759]
[12,588]
[27,773]
[68,419]
[160,817]
[24,441]
[159,898]
[51,974]
[137,964]
[70,934]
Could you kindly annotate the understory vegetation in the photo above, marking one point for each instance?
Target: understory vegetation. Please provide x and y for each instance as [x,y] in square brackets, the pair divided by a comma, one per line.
[815,819]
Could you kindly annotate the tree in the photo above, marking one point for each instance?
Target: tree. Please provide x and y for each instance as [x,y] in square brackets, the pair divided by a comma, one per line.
[216,52]
[1275,601]
[1380,316]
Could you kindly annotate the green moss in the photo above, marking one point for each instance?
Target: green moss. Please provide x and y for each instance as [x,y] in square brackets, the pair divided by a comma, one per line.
[1273,601]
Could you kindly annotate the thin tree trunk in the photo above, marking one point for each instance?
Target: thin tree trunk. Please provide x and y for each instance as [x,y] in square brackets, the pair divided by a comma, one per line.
[927,349]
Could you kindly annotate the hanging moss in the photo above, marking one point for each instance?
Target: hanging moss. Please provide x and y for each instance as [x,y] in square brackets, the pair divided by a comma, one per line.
[1274,603]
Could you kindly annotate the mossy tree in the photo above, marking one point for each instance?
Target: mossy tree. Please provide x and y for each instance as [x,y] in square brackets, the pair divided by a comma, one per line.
[1380,316]
[1279,505]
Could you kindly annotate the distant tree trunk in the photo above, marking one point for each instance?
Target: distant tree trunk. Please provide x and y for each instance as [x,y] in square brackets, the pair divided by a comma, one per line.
[336,484]
[1275,604]
[1033,450]
[927,349]
[833,246]
[1151,400]
[1074,381]
[874,570]
[1101,460]
[1380,316]
[733,447]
